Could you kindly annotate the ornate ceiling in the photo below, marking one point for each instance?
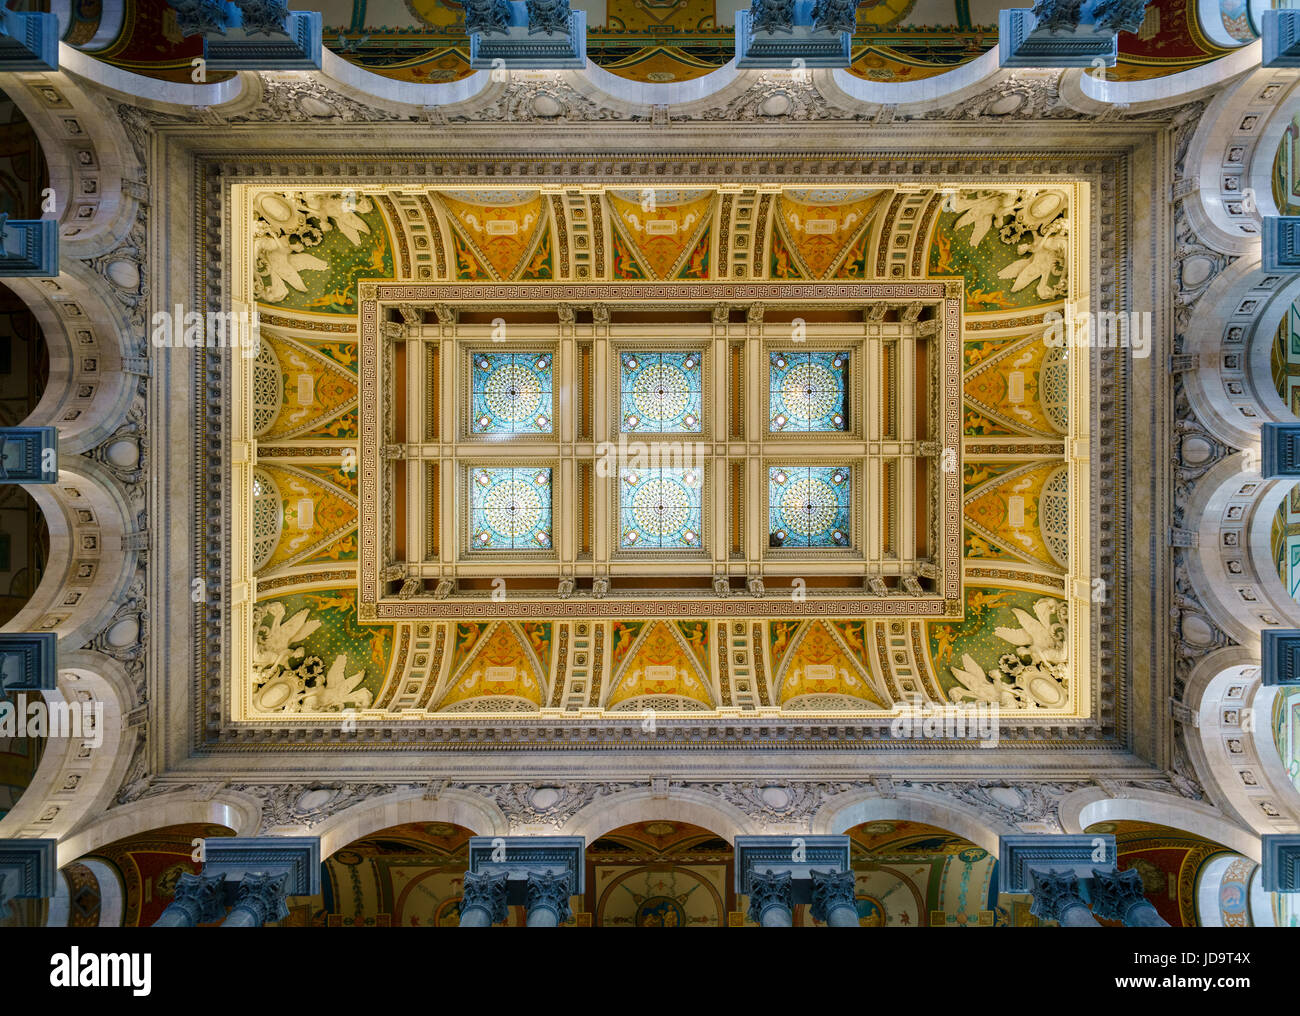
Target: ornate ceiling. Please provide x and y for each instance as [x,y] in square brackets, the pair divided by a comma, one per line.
[661,452]
[358,608]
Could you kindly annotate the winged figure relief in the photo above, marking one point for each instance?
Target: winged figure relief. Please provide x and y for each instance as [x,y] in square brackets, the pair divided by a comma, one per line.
[1046,256]
[282,265]
[984,211]
[338,691]
[273,648]
[342,211]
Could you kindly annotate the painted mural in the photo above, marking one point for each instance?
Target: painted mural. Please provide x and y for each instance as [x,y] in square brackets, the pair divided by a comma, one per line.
[407,876]
[1284,541]
[1286,731]
[910,874]
[1169,861]
[149,866]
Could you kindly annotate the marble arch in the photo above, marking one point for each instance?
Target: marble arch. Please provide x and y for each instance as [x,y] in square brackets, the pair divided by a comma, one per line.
[77,779]
[679,804]
[238,812]
[1235,139]
[415,805]
[95,366]
[94,172]
[1233,741]
[93,555]
[1083,808]
[929,808]
[1230,566]
[1229,340]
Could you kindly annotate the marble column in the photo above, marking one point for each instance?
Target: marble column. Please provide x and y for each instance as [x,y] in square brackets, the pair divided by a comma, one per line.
[1280,647]
[1066,33]
[1281,863]
[199,899]
[1280,239]
[778,872]
[526,34]
[29,248]
[1057,869]
[483,899]
[259,899]
[771,899]
[28,661]
[261,872]
[1118,896]
[1057,898]
[539,873]
[29,454]
[252,34]
[28,42]
[547,899]
[1280,37]
[833,899]
[795,33]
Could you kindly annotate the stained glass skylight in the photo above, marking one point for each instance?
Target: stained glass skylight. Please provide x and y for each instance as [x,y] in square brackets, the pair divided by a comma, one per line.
[808,506]
[660,392]
[511,393]
[510,509]
[808,391]
[659,509]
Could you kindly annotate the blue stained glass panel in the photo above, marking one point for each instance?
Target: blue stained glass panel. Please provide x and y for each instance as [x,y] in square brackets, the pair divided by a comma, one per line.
[511,393]
[659,509]
[660,392]
[808,506]
[808,392]
[510,509]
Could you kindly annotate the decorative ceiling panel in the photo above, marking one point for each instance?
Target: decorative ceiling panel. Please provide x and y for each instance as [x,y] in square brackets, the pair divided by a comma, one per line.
[962,488]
